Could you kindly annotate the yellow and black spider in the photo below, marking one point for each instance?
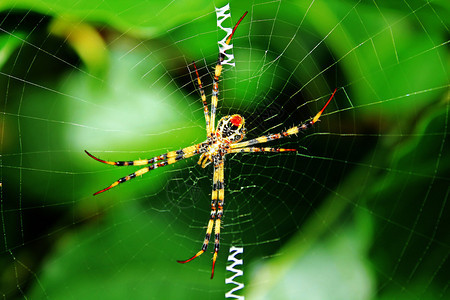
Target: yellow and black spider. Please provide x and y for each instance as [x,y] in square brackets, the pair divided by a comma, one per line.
[221,140]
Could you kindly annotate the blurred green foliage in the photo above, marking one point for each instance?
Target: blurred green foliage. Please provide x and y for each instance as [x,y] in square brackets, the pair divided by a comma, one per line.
[368,218]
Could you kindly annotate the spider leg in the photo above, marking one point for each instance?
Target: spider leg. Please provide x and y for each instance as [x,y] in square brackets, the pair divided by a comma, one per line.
[142,162]
[220,202]
[217,72]
[205,105]
[317,116]
[256,149]
[212,216]
[215,92]
[290,131]
[142,171]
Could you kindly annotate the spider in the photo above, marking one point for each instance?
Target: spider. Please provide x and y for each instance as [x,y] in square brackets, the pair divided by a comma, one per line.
[221,140]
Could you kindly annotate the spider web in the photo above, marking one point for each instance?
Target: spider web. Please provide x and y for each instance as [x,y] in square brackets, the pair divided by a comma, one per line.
[359,212]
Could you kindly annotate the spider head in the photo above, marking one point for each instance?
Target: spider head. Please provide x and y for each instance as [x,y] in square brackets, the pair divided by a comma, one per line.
[231,128]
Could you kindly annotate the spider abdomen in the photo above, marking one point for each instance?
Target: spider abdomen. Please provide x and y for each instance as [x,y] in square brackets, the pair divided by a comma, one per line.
[231,128]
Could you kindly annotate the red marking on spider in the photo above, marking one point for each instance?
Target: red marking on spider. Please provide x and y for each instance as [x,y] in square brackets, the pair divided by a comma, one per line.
[100,160]
[235,27]
[236,120]
[104,190]
[316,118]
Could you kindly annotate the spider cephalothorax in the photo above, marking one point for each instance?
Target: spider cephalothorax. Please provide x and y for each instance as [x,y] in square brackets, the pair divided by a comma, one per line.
[230,129]
[221,140]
